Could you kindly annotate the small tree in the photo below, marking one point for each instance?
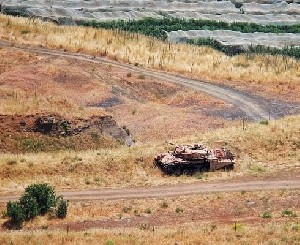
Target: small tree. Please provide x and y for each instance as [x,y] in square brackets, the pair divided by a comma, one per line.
[30,206]
[62,207]
[44,195]
[36,200]
[16,214]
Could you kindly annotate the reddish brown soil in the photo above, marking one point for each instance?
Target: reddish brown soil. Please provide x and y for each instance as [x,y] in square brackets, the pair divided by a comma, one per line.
[34,83]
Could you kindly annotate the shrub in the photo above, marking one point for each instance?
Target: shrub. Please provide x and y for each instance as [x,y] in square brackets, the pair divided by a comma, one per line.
[110,242]
[25,32]
[16,214]
[179,210]
[30,206]
[264,122]
[44,195]
[127,209]
[267,215]
[164,205]
[37,199]
[12,162]
[289,213]
[61,207]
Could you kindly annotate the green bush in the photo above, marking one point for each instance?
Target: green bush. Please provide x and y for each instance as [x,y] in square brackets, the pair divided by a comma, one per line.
[16,214]
[179,210]
[264,122]
[110,242]
[37,200]
[44,195]
[252,49]
[289,213]
[61,207]
[267,215]
[30,206]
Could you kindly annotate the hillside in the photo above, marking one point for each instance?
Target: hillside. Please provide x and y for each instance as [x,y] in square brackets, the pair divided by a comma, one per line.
[273,77]
[86,110]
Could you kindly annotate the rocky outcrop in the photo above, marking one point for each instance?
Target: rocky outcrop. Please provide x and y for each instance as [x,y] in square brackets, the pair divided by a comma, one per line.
[58,126]
[72,12]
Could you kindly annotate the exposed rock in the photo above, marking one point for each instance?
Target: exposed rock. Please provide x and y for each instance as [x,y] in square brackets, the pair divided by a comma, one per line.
[57,126]
[71,12]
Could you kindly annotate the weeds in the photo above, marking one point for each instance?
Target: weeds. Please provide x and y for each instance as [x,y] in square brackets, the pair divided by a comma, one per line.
[12,162]
[164,205]
[258,168]
[145,226]
[289,213]
[179,210]
[127,209]
[238,226]
[266,215]
[109,242]
[264,122]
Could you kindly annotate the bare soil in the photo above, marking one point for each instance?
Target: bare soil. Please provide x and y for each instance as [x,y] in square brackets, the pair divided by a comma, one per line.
[174,190]
[252,107]
[33,83]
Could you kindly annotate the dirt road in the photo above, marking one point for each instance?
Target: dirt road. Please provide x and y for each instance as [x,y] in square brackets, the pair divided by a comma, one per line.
[167,191]
[253,108]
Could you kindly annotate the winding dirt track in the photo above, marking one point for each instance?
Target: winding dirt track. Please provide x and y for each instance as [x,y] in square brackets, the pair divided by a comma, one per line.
[253,108]
[167,191]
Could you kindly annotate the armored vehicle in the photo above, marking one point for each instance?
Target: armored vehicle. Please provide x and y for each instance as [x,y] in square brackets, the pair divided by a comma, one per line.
[189,159]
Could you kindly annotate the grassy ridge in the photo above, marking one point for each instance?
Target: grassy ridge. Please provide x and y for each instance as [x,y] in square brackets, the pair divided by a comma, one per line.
[158,27]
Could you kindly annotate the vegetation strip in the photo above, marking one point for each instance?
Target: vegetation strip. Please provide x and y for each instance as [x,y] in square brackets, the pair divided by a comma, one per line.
[252,49]
[158,28]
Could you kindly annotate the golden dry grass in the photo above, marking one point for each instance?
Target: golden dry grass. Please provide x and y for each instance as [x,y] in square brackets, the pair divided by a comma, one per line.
[148,107]
[262,150]
[272,76]
[221,218]
[272,233]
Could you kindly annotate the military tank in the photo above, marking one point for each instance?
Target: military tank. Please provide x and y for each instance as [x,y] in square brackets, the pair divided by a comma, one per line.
[189,159]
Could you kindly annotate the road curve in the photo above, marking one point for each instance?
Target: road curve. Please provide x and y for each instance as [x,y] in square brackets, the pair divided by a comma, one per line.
[254,109]
[169,191]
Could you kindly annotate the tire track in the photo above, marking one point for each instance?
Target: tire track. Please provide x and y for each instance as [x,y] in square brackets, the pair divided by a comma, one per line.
[254,109]
[172,190]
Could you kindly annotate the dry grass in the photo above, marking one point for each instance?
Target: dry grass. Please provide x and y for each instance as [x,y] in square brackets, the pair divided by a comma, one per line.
[148,107]
[262,150]
[272,233]
[195,219]
[270,76]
